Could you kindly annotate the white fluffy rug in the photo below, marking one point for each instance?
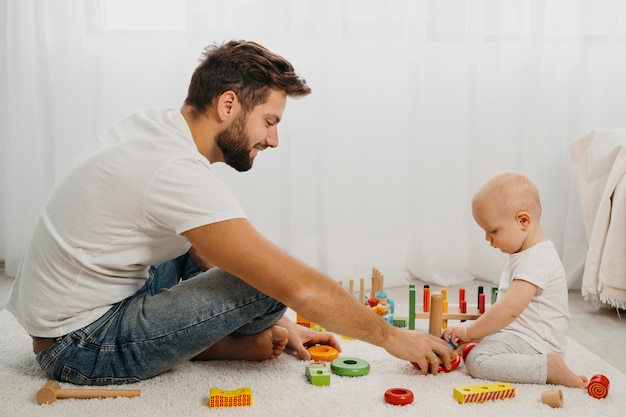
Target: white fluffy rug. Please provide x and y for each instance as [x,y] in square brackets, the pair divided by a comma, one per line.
[280,388]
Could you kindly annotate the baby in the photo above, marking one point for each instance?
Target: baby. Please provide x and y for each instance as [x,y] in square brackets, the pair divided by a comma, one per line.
[523,333]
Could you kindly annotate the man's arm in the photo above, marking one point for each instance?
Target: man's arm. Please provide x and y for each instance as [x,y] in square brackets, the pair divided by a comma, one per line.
[237,247]
[202,261]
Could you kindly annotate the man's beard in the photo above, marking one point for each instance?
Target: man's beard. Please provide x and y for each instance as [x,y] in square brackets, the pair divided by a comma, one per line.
[233,142]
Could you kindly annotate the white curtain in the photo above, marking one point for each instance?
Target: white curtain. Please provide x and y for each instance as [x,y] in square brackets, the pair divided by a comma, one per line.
[414,104]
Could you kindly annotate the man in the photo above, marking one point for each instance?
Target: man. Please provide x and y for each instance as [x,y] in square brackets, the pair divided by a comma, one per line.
[143,194]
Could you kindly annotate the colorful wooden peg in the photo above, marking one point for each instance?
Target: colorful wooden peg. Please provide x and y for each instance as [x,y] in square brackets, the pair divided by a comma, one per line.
[554,398]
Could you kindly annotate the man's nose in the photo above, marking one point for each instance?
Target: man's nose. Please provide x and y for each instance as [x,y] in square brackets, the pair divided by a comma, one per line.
[272,138]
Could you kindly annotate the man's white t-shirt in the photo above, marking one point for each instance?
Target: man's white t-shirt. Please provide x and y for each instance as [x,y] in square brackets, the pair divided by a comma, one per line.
[121,208]
[544,322]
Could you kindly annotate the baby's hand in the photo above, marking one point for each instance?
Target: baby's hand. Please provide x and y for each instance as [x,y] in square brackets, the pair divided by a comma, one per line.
[456,335]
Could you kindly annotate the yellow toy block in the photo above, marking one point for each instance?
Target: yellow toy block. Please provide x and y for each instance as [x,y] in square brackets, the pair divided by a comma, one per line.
[304,322]
[481,393]
[219,398]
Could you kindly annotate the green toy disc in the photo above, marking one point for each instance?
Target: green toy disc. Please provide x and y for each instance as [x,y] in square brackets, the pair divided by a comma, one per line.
[350,367]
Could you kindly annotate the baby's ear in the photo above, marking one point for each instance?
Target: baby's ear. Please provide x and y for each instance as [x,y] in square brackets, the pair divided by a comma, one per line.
[524,219]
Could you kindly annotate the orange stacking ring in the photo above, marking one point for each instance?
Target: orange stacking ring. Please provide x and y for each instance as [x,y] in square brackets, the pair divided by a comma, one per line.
[398,396]
[323,353]
[598,386]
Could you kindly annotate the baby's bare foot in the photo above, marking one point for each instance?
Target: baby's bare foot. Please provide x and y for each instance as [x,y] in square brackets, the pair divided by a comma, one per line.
[269,344]
[584,380]
[560,374]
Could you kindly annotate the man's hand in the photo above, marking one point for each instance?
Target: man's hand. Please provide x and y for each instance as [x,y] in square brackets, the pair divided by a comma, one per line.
[421,348]
[301,337]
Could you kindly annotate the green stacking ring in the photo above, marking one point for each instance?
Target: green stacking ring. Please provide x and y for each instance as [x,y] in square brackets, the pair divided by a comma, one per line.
[350,367]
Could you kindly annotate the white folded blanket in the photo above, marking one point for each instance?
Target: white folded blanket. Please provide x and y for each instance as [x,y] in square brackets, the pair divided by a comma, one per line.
[599,161]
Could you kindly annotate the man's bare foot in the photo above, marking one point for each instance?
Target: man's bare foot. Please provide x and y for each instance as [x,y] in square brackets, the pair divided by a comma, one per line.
[560,374]
[269,344]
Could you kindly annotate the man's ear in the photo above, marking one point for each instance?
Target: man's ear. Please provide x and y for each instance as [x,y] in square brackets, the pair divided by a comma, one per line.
[227,105]
[524,219]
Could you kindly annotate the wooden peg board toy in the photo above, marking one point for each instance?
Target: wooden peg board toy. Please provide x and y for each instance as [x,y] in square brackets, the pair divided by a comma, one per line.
[377,300]
[378,282]
[378,285]
[444,311]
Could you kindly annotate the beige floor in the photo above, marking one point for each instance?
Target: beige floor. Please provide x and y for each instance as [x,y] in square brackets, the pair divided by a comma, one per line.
[601,330]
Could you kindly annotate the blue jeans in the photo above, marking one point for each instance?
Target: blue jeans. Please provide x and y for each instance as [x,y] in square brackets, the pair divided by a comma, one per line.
[179,313]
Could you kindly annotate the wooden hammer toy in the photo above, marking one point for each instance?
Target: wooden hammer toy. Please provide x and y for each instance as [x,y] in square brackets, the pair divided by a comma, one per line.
[52,390]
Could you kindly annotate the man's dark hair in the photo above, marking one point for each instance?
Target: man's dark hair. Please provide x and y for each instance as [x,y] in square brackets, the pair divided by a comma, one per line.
[248,69]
